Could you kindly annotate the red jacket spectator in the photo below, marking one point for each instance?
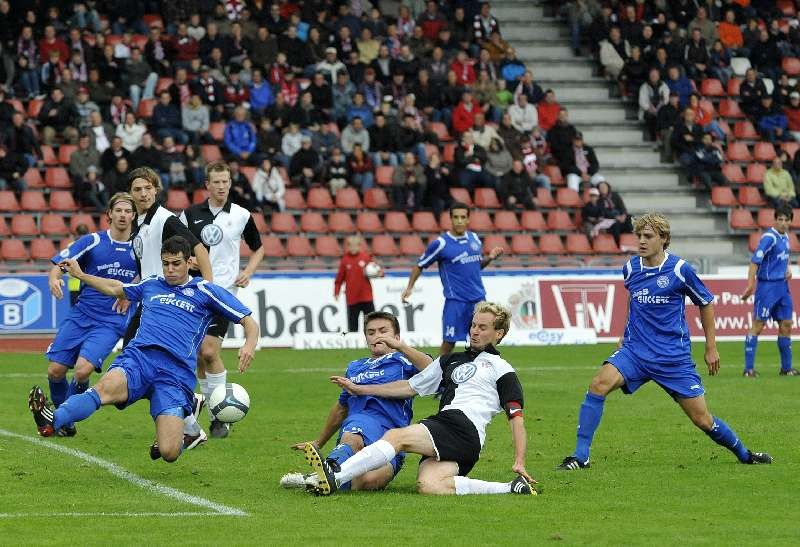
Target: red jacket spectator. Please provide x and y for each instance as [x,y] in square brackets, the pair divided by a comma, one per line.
[351,273]
[186,48]
[464,115]
[548,114]
[463,67]
[46,46]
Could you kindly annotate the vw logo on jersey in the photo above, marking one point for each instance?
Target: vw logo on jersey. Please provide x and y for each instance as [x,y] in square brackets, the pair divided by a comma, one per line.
[211,234]
[662,281]
[188,291]
[138,246]
[464,372]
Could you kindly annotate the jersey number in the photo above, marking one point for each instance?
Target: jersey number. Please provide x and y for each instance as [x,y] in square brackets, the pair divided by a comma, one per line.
[449,331]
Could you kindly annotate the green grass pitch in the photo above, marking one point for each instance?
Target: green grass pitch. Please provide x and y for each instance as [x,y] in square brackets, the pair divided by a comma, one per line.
[654,478]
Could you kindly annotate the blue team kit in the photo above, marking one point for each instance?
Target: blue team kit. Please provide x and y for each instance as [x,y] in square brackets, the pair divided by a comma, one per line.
[773,300]
[459,260]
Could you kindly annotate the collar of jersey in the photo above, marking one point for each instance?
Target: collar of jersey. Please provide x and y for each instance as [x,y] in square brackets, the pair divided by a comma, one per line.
[458,238]
[642,266]
[488,349]
[226,207]
[151,213]
[126,242]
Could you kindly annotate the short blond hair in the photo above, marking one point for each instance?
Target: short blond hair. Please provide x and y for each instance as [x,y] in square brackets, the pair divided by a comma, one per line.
[146,173]
[502,315]
[120,196]
[218,166]
[655,221]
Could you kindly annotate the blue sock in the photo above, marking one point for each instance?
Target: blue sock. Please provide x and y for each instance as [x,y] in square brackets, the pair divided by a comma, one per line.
[785,349]
[723,435]
[750,343]
[76,408]
[340,454]
[58,391]
[588,421]
[76,388]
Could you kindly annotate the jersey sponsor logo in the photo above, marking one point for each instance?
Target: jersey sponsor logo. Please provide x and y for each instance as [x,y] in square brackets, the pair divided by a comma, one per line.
[113,269]
[662,281]
[138,246]
[170,300]
[695,387]
[643,296]
[465,258]
[464,372]
[211,234]
[783,255]
[367,375]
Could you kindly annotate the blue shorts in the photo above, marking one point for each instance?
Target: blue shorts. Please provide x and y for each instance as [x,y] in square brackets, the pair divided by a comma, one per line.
[82,336]
[456,319]
[371,429]
[679,380]
[773,301]
[157,376]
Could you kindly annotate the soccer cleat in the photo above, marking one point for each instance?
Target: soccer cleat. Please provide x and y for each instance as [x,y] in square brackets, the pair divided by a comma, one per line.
[759,458]
[325,476]
[219,430]
[571,463]
[750,373]
[307,481]
[67,431]
[155,453]
[520,485]
[193,441]
[197,404]
[42,411]
[790,372]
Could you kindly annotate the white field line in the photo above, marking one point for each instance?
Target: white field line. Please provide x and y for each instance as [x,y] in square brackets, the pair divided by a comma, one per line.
[111,514]
[136,480]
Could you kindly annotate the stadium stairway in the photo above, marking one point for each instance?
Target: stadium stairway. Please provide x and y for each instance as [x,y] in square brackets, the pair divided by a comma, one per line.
[631,164]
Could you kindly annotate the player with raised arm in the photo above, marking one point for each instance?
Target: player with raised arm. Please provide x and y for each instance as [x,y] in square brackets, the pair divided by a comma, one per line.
[771,266]
[88,334]
[476,385]
[220,225]
[363,419]
[656,344]
[159,363]
[459,254]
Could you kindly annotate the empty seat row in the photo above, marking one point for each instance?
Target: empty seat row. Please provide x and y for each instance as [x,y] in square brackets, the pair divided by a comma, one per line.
[742,219]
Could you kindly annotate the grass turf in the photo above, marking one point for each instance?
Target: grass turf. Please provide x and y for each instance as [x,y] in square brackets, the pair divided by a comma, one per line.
[654,478]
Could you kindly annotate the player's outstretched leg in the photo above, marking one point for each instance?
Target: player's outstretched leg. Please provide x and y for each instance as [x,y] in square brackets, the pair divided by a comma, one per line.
[785,349]
[57,380]
[326,479]
[750,345]
[42,411]
[193,434]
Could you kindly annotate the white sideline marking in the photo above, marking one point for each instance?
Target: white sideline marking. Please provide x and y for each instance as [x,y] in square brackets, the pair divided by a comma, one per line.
[132,478]
[123,514]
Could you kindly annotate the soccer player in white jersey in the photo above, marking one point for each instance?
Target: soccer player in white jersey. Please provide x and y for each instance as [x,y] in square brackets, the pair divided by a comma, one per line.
[220,225]
[656,344]
[476,385]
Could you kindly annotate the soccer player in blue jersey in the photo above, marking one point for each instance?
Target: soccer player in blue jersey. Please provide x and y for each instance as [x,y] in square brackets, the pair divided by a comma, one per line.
[656,344]
[159,363]
[770,265]
[362,420]
[93,326]
[459,254]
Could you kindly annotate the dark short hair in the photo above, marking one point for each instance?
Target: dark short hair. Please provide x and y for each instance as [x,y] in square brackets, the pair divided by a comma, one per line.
[372,316]
[175,245]
[458,205]
[785,210]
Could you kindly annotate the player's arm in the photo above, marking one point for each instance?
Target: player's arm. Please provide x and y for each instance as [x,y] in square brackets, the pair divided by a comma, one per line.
[253,240]
[419,359]
[110,287]
[416,271]
[509,391]
[751,281]
[56,282]
[520,439]
[332,424]
[487,259]
[248,349]
[399,389]
[710,331]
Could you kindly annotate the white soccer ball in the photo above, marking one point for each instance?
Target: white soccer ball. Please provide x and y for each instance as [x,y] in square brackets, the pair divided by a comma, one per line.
[373,269]
[229,403]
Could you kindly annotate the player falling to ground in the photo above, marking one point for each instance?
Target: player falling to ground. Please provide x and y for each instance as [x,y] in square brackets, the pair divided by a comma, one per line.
[220,225]
[459,254]
[357,286]
[771,266]
[88,334]
[159,363]
[154,225]
[363,419]
[656,344]
[476,385]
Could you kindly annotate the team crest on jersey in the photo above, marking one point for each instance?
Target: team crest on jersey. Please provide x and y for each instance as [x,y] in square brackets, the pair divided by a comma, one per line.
[188,291]
[474,246]
[662,281]
[464,372]
[138,246]
[211,234]
[64,253]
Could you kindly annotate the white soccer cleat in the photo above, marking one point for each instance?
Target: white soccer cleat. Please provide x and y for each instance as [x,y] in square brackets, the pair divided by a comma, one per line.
[306,481]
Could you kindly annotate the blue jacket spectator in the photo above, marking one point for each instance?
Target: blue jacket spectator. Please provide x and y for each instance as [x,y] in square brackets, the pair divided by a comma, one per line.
[260,93]
[362,111]
[240,135]
[512,69]
[681,85]
[167,121]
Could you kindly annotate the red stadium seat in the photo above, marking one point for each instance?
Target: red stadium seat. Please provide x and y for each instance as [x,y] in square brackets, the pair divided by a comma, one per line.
[153,20]
[722,196]
[294,199]
[787,7]
[725,128]
[569,198]
[24,226]
[61,200]
[8,202]
[745,130]
[375,198]
[299,246]
[396,222]
[384,245]
[493,240]
[177,200]
[312,222]
[486,198]
[441,131]
[523,244]
[480,221]
[461,195]
[319,198]
[210,152]
[273,248]
[791,66]
[217,130]
[738,151]
[340,222]
[445,222]
[711,87]
[146,107]
[733,172]
[33,200]
[559,220]
[728,108]
[17,104]
[628,243]
[742,219]
[64,152]
[13,250]
[383,175]
[554,172]
[605,244]
[82,218]
[749,196]
[449,152]
[424,221]
[103,225]
[43,249]
[411,245]
[766,218]
[249,172]
[708,107]
[506,221]
[327,246]
[533,221]
[544,199]
[348,198]
[34,107]
[551,244]
[4,229]
[764,151]
[163,85]
[733,87]
[261,224]
[578,244]
[369,222]
[283,223]
[33,178]
[57,177]
[791,148]
[756,172]
[53,225]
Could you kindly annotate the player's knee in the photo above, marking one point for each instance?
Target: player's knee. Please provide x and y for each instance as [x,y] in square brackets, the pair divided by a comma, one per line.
[83,372]
[207,355]
[395,437]
[430,486]
[369,483]
[785,328]
[171,454]
[702,420]
[356,442]
[56,371]
[599,386]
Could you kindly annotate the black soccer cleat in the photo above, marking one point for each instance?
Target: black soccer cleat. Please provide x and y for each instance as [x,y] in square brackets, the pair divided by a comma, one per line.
[42,411]
[572,463]
[520,485]
[155,453]
[750,373]
[67,431]
[326,484]
[219,430]
[790,372]
[759,458]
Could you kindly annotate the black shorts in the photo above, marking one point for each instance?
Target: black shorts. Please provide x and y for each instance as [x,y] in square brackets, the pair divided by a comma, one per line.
[455,439]
[218,327]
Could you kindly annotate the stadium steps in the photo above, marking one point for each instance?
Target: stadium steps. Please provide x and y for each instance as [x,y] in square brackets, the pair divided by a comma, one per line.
[631,164]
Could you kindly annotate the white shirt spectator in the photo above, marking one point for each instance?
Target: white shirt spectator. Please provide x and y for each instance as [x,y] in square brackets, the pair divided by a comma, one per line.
[131,135]
[270,187]
[524,117]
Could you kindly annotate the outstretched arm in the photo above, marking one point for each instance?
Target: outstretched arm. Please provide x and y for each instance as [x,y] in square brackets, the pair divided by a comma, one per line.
[55,282]
[520,438]
[751,281]
[400,389]
[412,278]
[418,359]
[110,287]
[248,350]
[711,355]
[487,259]
[332,424]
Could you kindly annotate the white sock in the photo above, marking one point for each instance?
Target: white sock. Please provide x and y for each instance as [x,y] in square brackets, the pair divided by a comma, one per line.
[212,381]
[368,458]
[466,486]
[204,387]
[190,425]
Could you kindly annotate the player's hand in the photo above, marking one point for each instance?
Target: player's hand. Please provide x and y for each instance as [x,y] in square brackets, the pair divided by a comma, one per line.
[121,306]
[71,267]
[389,341]
[405,296]
[193,264]
[246,354]
[495,252]
[712,360]
[346,384]
[620,342]
[56,287]
[788,275]
[243,280]
[519,469]
[748,291]
[301,446]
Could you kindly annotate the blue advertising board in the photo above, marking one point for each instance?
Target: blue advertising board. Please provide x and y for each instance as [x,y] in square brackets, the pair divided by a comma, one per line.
[26,305]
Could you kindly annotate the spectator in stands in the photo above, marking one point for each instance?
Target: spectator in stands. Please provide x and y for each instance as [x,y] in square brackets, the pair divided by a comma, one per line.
[614,51]
[12,170]
[264,49]
[561,137]
[792,112]
[470,163]
[331,66]
[614,208]
[778,186]
[19,138]
[260,94]
[306,114]
[483,134]
[765,56]
[783,88]
[173,163]
[141,78]
[484,23]
[498,159]
[511,68]
[772,123]
[730,34]
[704,117]
[211,93]
[633,74]
[524,116]
[343,98]
[146,155]
[410,139]
[681,85]
[269,187]
[112,154]
[337,171]
[361,169]
[579,14]
[241,191]
[548,110]
[696,56]
[515,188]
[166,119]
[81,158]
[58,118]
[592,215]
[321,94]
[686,138]
[158,51]
[355,133]
[709,163]
[719,63]
[116,178]
[305,165]
[668,117]
[653,95]
[510,135]
[707,28]
[750,93]
[84,107]
[195,119]
[235,93]
[383,141]
[408,184]
[581,165]
[437,177]
[240,137]
[90,191]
